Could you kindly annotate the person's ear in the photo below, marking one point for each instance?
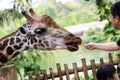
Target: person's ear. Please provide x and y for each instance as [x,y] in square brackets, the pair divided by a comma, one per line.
[117,19]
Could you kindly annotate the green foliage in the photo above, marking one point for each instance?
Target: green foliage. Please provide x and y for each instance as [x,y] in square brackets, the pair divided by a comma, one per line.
[8,15]
[26,61]
[64,14]
[70,13]
[93,35]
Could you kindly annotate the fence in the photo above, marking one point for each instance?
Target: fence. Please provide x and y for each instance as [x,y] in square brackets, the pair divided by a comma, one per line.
[9,72]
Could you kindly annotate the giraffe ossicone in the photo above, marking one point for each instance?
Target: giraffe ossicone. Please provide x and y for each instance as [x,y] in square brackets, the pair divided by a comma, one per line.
[39,32]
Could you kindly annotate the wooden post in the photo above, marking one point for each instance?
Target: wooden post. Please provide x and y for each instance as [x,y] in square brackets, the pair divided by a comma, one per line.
[37,74]
[52,74]
[118,58]
[9,72]
[76,71]
[93,69]
[45,74]
[66,71]
[85,69]
[59,71]
[30,75]
[110,58]
[101,61]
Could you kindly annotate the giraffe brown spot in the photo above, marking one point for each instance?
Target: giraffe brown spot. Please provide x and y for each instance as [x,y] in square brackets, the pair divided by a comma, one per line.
[28,43]
[46,42]
[18,40]
[17,47]
[15,54]
[5,43]
[27,47]
[35,46]
[11,41]
[25,40]
[31,41]
[35,40]
[18,34]
[24,25]
[9,50]
[22,30]
[3,58]
[42,45]
[40,41]
[21,44]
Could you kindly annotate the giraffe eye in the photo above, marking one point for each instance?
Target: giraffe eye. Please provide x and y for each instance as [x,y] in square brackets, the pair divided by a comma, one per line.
[40,30]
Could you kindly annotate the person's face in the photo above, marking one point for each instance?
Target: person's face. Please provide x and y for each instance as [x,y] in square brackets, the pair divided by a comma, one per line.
[115,20]
[115,75]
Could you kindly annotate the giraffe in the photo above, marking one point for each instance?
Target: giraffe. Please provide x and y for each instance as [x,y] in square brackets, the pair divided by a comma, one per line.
[39,32]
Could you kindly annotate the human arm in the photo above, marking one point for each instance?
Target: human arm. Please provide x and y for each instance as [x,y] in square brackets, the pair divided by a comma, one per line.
[109,46]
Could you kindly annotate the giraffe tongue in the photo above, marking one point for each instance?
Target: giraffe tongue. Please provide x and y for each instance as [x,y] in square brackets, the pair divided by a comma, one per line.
[72,46]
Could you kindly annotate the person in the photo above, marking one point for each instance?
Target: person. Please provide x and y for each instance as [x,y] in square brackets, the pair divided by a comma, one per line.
[2,78]
[106,72]
[115,20]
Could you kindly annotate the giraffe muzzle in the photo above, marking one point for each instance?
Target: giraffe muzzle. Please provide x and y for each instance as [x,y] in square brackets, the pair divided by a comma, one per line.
[73,44]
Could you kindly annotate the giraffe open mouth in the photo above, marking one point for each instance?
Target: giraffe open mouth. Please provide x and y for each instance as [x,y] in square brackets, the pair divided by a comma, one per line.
[74,44]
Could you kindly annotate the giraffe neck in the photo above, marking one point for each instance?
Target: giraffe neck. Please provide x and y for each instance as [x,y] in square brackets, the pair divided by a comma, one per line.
[11,46]
[16,42]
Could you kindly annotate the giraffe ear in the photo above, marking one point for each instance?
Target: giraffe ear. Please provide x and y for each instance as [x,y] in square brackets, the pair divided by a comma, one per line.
[28,17]
[32,12]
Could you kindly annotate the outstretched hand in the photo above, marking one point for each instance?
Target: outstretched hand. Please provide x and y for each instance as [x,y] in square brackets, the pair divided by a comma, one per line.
[89,46]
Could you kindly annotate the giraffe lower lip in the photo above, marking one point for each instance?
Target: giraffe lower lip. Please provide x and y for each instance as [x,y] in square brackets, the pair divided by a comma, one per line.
[72,46]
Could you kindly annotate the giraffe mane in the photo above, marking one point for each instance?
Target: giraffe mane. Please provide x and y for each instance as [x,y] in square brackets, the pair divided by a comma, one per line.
[12,34]
[44,19]
[50,22]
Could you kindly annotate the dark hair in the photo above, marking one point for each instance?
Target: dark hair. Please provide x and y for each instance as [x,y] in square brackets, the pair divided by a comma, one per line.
[105,71]
[115,9]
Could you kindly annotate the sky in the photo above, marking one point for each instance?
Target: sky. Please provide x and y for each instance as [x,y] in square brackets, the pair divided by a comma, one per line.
[8,3]
[5,4]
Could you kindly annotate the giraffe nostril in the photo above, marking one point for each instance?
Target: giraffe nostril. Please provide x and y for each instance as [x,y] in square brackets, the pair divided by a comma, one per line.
[71,35]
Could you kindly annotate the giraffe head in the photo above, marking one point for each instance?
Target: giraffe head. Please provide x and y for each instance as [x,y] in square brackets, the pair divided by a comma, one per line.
[45,34]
